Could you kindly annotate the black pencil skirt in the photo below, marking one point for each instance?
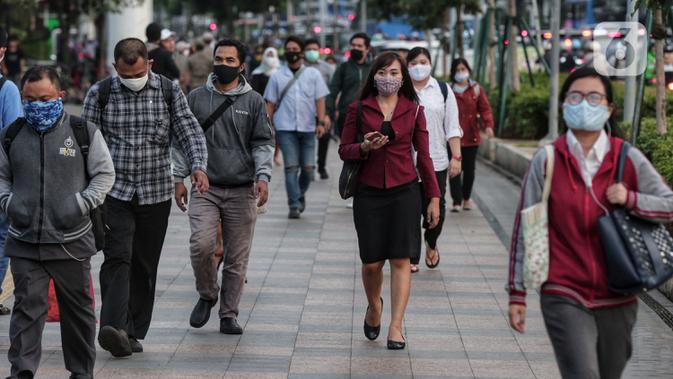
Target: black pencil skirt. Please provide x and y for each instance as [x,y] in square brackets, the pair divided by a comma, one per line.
[387,222]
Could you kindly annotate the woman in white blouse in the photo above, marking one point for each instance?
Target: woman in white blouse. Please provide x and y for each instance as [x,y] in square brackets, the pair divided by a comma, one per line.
[441,114]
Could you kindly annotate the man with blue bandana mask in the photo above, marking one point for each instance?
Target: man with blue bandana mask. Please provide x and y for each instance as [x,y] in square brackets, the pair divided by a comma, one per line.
[49,184]
[10,110]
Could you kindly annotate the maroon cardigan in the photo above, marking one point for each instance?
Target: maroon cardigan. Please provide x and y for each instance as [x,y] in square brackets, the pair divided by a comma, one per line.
[471,105]
[392,165]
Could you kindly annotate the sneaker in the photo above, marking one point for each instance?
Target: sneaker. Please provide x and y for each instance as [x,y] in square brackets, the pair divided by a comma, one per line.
[468,205]
[4,311]
[229,325]
[136,346]
[302,204]
[455,209]
[323,174]
[115,341]
[294,213]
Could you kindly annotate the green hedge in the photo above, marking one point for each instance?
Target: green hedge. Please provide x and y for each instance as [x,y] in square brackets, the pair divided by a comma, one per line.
[658,148]
[528,110]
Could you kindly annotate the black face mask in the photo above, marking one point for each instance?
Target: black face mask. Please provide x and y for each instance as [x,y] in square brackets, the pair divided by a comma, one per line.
[356,55]
[292,56]
[226,74]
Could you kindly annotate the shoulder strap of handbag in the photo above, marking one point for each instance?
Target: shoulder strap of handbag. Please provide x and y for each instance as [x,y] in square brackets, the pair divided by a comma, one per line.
[549,172]
[228,101]
[622,158]
[288,85]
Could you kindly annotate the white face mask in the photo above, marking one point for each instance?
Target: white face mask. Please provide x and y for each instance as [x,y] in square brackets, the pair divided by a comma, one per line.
[135,85]
[461,76]
[420,72]
[272,62]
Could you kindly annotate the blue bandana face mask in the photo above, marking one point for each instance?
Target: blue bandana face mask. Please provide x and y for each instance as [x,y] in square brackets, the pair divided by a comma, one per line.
[43,115]
[585,116]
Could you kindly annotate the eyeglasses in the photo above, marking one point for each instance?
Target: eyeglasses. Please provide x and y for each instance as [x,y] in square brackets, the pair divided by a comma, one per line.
[593,98]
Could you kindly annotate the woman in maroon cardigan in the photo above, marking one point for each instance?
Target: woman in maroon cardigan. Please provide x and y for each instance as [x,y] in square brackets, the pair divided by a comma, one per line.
[387,205]
[472,106]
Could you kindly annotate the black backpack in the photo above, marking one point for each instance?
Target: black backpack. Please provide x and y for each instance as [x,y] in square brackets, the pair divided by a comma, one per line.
[444,87]
[82,137]
[105,85]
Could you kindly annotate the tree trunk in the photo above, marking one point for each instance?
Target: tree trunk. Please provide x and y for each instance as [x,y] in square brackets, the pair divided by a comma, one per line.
[459,29]
[492,42]
[444,41]
[661,79]
[513,53]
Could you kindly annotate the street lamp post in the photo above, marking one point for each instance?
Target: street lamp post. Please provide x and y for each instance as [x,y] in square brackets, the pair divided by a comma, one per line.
[555,52]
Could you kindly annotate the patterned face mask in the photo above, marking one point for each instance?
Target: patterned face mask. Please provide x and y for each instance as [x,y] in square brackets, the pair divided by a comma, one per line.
[387,85]
[43,115]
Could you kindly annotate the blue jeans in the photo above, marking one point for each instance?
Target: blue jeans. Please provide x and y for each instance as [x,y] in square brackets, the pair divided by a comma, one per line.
[4,261]
[298,150]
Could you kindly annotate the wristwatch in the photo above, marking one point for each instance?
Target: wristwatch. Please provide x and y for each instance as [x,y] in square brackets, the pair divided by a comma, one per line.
[322,123]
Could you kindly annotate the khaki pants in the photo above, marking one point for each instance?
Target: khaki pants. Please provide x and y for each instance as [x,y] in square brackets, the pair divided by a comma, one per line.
[236,209]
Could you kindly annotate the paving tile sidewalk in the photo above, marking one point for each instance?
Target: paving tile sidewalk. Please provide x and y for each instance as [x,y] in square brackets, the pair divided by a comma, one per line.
[304,305]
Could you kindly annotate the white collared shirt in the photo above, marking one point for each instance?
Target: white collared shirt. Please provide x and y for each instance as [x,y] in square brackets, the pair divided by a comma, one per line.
[441,120]
[593,160]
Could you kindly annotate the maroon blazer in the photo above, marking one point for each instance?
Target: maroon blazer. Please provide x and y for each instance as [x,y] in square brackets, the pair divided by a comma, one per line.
[392,165]
[471,105]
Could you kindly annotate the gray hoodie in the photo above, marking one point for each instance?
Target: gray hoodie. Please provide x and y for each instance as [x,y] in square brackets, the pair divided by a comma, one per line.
[240,142]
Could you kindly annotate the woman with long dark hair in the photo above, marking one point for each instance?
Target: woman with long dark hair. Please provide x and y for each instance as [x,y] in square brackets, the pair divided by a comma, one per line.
[589,325]
[475,115]
[387,205]
[441,115]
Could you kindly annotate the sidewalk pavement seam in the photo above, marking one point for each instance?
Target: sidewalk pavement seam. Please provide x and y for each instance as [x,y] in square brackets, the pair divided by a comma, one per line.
[262,284]
[455,322]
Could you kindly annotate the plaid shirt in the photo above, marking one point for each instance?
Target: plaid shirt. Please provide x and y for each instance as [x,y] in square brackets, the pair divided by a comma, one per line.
[138,132]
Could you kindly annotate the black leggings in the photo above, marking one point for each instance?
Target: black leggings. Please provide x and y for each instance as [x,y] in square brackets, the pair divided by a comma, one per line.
[431,235]
[461,188]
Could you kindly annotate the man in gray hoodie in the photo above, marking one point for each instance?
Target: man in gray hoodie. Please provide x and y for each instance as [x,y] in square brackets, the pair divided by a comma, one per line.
[51,178]
[240,153]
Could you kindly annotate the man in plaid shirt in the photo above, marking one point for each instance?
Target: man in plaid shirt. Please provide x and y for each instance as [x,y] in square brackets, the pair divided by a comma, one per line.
[138,121]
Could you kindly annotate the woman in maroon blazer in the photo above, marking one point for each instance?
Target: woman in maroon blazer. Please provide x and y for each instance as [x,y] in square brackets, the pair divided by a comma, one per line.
[475,113]
[387,205]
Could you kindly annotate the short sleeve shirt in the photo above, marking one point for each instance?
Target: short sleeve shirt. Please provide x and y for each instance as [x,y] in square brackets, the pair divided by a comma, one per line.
[297,111]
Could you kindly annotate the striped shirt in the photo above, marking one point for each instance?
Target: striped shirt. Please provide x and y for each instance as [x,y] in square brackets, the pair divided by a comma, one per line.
[138,130]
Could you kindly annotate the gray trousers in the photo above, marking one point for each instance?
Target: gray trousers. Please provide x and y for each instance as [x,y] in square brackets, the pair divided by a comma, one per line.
[235,208]
[589,343]
[78,321]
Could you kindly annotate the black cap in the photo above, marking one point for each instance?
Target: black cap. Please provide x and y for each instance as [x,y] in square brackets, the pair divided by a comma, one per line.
[3,37]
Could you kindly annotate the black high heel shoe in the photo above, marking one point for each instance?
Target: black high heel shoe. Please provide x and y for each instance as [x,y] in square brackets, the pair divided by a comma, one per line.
[397,345]
[372,332]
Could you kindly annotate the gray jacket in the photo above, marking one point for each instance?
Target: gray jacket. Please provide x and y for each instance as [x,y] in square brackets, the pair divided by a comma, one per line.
[43,185]
[240,142]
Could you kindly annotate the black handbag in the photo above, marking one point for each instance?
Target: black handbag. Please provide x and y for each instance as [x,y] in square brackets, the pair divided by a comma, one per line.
[638,252]
[350,172]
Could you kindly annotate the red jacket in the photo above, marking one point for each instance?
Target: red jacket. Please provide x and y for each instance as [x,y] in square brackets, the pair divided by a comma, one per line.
[391,165]
[471,105]
[577,262]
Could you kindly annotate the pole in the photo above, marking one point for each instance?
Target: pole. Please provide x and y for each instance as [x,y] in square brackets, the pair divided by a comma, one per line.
[535,22]
[555,53]
[363,16]
[323,8]
[635,125]
[630,81]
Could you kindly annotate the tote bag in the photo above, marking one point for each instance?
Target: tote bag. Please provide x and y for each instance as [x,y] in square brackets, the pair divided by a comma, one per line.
[535,226]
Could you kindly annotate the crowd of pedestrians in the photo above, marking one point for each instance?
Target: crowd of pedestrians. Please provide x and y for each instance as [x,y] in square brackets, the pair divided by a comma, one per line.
[210,112]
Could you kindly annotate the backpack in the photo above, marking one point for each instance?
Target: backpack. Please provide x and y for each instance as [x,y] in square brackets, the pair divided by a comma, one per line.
[105,87]
[2,82]
[82,137]
[444,87]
